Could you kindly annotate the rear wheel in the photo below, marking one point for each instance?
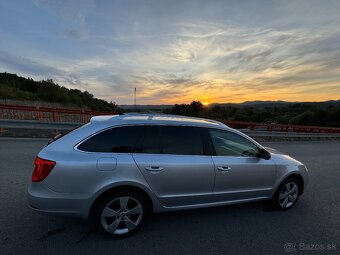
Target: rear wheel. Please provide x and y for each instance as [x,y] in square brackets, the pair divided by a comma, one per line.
[120,215]
[287,194]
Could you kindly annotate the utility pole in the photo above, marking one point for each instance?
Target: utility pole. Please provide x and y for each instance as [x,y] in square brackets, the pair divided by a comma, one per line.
[135,99]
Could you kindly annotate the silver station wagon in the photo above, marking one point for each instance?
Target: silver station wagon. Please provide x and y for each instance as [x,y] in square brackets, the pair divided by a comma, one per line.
[116,170]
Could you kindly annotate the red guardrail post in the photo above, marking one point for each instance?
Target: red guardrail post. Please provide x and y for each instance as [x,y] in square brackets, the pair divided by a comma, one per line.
[54,116]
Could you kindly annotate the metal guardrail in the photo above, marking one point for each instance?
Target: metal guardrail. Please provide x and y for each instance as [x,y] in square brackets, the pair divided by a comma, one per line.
[271,127]
[290,135]
[49,109]
[61,126]
[19,112]
[33,124]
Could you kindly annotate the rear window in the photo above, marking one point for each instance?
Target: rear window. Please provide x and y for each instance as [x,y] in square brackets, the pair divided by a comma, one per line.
[118,140]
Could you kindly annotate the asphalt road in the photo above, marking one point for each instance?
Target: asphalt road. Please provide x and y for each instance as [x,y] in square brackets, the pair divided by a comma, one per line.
[311,227]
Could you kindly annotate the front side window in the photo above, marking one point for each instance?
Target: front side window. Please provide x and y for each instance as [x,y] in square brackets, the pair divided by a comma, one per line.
[230,144]
[116,140]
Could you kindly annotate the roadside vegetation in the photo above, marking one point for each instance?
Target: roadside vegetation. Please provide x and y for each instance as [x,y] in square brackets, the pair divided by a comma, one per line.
[26,89]
[325,114]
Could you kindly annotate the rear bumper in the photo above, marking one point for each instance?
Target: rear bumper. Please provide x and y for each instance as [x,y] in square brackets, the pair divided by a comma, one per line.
[45,200]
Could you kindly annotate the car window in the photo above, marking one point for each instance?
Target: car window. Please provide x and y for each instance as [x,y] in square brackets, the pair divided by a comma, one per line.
[181,140]
[118,140]
[150,142]
[230,144]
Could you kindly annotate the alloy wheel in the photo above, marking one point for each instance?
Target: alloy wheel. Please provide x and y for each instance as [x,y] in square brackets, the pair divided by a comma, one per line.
[121,215]
[288,194]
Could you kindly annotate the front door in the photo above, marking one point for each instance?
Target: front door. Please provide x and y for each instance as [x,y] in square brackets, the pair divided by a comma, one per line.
[240,173]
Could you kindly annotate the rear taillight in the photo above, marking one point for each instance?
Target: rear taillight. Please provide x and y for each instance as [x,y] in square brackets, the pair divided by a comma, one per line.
[42,168]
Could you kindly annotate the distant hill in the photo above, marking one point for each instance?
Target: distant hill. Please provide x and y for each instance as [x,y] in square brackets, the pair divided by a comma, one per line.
[256,104]
[253,103]
[14,87]
[260,104]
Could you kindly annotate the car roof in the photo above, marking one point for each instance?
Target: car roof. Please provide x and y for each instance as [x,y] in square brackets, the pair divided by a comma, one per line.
[164,119]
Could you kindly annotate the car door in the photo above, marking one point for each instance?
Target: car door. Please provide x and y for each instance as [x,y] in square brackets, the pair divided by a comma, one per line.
[240,173]
[173,161]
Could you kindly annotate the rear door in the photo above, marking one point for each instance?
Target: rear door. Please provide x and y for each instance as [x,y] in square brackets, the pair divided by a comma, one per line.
[175,164]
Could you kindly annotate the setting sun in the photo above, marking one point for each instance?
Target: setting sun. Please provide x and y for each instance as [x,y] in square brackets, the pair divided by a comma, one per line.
[205,103]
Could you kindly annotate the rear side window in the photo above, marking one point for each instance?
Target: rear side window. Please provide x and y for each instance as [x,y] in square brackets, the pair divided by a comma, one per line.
[150,142]
[118,140]
[181,140]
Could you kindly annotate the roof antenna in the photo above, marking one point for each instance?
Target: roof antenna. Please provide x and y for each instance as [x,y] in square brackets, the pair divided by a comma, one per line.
[135,99]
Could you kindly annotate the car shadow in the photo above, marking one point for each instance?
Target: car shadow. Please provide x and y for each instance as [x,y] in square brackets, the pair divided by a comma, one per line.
[159,224]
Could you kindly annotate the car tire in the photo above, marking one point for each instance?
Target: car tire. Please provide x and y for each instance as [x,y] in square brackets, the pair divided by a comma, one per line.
[287,194]
[121,214]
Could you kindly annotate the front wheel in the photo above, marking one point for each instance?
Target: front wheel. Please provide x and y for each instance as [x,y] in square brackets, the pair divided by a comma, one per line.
[121,214]
[287,194]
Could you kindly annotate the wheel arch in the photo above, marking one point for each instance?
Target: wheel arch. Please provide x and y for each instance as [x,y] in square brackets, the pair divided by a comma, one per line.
[124,187]
[292,175]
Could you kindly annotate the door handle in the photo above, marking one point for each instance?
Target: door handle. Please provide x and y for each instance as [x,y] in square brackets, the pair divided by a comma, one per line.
[154,168]
[224,168]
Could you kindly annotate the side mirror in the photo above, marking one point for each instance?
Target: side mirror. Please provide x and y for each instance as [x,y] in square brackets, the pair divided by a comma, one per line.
[264,154]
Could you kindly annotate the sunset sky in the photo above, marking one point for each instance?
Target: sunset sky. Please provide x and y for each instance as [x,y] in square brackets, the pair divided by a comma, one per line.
[177,51]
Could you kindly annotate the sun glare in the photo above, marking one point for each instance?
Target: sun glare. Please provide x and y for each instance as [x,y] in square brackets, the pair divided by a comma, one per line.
[205,103]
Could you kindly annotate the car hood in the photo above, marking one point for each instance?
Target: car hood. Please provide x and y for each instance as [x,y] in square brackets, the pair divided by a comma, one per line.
[280,156]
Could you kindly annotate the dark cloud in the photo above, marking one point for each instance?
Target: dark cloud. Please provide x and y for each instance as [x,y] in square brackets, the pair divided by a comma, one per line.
[75,34]
[38,70]
[29,66]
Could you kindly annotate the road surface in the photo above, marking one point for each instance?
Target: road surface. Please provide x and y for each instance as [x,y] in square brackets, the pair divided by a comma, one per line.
[312,227]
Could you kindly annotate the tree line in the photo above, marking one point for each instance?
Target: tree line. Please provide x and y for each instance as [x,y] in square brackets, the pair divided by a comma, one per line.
[315,114]
[20,88]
